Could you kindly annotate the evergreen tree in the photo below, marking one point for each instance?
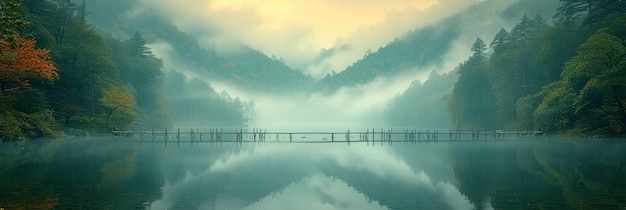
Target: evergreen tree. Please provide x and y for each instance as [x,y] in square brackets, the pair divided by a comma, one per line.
[137,46]
[142,70]
[472,103]
[501,41]
[11,18]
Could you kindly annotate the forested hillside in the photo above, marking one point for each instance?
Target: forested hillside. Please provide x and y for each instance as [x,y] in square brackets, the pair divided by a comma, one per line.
[428,47]
[59,73]
[196,104]
[563,77]
[418,49]
[243,67]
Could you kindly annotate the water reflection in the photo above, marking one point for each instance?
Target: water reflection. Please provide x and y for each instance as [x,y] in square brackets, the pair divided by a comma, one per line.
[375,177]
[117,174]
[317,191]
[77,175]
[549,174]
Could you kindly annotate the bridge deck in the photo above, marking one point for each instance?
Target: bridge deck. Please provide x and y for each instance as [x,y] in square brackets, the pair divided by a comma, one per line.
[254,135]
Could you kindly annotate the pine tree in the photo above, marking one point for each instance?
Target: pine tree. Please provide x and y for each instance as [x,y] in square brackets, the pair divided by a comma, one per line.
[137,46]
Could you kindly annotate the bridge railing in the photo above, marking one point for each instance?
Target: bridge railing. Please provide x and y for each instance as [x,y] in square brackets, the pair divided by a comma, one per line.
[373,135]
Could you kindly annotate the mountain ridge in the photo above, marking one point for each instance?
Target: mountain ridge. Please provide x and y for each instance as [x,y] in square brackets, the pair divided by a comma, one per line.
[248,69]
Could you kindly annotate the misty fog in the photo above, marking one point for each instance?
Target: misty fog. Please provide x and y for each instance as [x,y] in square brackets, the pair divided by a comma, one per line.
[316,46]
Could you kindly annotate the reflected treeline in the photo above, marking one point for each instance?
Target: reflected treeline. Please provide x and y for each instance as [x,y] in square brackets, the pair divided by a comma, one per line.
[542,174]
[212,177]
[391,192]
[115,174]
[246,184]
[77,175]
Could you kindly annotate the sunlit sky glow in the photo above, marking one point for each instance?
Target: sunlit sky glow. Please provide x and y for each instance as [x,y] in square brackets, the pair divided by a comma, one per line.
[327,19]
[297,30]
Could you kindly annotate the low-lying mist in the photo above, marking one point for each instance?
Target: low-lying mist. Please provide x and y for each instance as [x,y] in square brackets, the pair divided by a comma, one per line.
[358,108]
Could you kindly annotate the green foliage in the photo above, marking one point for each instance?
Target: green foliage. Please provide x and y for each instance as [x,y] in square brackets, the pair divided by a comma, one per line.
[588,99]
[478,49]
[86,66]
[9,128]
[516,67]
[417,49]
[83,122]
[137,46]
[120,114]
[142,70]
[118,170]
[554,112]
[595,76]
[524,111]
[571,174]
[15,125]
[82,57]
[501,41]
[552,78]
[38,176]
[589,12]
[472,102]
[11,17]
[24,112]
[30,101]
[526,63]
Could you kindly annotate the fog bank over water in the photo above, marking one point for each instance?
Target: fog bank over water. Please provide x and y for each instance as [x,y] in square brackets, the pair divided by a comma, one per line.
[357,107]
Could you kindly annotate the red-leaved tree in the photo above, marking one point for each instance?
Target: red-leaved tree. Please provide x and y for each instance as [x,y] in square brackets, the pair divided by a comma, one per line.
[20,62]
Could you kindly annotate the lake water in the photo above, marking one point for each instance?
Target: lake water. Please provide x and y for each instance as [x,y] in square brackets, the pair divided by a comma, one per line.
[123,173]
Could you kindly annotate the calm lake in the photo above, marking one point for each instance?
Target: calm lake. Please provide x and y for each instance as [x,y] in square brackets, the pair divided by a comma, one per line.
[125,173]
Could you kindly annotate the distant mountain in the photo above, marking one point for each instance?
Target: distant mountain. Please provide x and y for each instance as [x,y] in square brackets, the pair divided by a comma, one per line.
[418,49]
[427,46]
[245,68]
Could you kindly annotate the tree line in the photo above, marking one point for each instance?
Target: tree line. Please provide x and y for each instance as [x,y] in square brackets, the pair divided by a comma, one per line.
[566,77]
[58,73]
[195,103]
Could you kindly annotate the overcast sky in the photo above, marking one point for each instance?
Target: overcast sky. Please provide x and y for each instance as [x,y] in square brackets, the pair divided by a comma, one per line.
[296,30]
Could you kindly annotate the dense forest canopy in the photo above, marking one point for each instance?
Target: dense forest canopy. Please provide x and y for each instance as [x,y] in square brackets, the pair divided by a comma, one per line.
[60,76]
[564,77]
[562,74]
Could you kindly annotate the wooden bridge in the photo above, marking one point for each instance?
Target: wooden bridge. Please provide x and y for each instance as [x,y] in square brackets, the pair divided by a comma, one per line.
[373,135]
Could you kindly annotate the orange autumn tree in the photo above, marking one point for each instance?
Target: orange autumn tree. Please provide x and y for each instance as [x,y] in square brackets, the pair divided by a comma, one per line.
[20,62]
[120,105]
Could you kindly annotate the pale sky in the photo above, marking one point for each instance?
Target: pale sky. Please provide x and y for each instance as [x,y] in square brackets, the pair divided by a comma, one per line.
[296,30]
[327,20]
